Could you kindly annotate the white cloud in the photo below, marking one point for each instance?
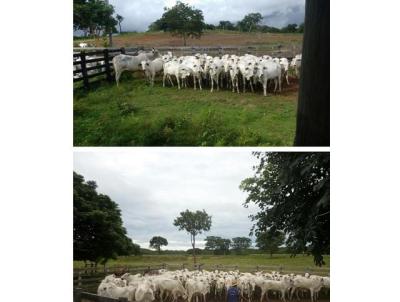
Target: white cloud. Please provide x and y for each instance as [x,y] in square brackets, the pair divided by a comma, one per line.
[140,13]
[152,185]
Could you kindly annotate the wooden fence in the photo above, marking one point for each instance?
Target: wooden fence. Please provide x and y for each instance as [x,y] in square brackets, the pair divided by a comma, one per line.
[95,64]
[81,295]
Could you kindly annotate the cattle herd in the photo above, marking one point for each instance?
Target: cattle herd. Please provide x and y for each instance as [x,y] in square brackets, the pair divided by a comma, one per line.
[225,71]
[185,285]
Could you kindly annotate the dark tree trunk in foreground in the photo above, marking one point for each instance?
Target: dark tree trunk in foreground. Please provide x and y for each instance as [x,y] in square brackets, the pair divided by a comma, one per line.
[110,39]
[313,105]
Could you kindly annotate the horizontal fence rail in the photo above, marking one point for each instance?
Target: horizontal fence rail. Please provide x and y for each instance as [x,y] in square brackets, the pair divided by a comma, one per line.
[81,295]
[89,63]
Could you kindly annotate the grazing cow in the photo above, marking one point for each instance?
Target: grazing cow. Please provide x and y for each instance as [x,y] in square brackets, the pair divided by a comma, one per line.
[83,45]
[175,287]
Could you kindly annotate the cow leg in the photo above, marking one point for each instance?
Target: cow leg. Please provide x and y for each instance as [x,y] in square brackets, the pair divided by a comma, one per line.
[218,83]
[177,78]
[212,84]
[152,80]
[251,86]
[170,80]
[287,78]
[244,84]
[199,78]
[280,84]
[117,75]
[163,80]
[265,88]
[312,294]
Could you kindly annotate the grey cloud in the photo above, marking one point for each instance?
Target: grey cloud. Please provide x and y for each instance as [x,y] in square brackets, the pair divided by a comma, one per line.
[152,186]
[139,14]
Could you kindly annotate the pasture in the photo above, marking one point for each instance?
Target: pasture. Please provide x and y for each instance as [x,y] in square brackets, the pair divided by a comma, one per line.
[135,114]
[215,37]
[244,262]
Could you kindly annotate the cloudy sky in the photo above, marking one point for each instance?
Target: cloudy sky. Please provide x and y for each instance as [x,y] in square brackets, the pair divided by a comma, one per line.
[139,14]
[153,185]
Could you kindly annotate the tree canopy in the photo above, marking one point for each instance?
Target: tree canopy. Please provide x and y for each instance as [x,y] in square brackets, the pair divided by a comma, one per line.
[240,243]
[220,246]
[292,191]
[194,223]
[181,20]
[250,22]
[157,241]
[270,241]
[98,232]
[94,17]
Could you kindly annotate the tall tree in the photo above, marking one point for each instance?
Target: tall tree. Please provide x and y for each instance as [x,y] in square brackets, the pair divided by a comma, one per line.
[313,112]
[270,241]
[119,19]
[292,191]
[194,223]
[250,21]
[98,232]
[94,17]
[157,241]
[181,20]
[240,243]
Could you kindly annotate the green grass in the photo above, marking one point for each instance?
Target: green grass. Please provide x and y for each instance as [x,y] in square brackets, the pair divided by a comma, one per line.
[135,114]
[245,262]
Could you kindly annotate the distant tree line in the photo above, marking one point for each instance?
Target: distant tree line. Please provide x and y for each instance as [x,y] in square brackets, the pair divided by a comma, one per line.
[187,22]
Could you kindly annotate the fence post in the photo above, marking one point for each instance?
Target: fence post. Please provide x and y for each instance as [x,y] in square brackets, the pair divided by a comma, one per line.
[79,279]
[77,294]
[107,62]
[83,69]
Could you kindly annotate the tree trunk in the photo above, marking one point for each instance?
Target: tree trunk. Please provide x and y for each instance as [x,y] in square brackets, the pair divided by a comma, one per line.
[313,104]
[193,248]
[110,39]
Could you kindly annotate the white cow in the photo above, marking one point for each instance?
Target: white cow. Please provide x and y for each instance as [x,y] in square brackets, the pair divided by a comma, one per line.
[144,292]
[123,62]
[312,284]
[174,287]
[269,70]
[151,68]
[296,64]
[199,286]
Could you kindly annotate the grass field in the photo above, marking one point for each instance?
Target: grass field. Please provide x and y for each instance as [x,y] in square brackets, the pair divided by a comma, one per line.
[245,262]
[215,38]
[135,114]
